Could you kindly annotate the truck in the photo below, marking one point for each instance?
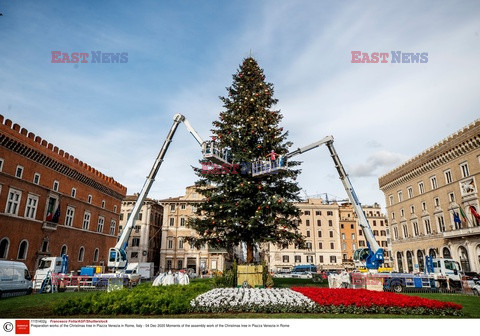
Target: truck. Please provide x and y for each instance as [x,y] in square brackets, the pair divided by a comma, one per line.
[143,269]
[14,279]
[46,267]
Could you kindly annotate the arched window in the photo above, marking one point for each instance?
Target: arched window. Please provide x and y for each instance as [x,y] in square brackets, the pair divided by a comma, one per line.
[464,260]
[22,250]
[432,253]
[400,262]
[446,253]
[409,262]
[95,255]
[421,261]
[4,245]
[81,253]
[63,250]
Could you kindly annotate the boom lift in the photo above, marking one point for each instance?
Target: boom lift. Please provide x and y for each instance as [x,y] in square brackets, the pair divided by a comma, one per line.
[117,257]
[374,253]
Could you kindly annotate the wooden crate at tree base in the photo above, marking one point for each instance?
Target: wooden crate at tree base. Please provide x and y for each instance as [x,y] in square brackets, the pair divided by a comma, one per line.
[253,274]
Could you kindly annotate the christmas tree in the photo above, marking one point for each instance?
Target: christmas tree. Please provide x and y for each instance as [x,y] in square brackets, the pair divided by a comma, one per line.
[238,207]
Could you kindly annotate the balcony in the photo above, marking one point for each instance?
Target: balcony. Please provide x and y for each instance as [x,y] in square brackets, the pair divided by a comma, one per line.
[462,232]
[49,226]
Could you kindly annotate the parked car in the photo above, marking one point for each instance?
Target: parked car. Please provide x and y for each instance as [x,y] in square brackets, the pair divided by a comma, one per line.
[472,276]
[476,288]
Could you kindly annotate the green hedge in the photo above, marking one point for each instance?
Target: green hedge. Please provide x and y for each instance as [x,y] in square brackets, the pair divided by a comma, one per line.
[141,300]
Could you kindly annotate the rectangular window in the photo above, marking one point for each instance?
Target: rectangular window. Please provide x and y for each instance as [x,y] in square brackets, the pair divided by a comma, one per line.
[180,243]
[318,213]
[86,220]
[308,234]
[319,222]
[36,178]
[424,206]
[333,259]
[307,213]
[101,222]
[103,204]
[19,172]
[183,206]
[115,208]
[448,177]
[330,222]
[56,185]
[310,259]
[285,259]
[329,213]
[182,221]
[1,164]
[320,245]
[135,242]
[298,259]
[307,222]
[390,199]
[464,169]
[421,187]
[13,201]
[309,245]
[331,234]
[113,224]
[134,255]
[428,228]
[69,216]
[74,192]
[441,223]
[436,201]
[172,221]
[89,199]
[361,243]
[170,243]
[400,196]
[433,182]
[451,197]
[410,192]
[179,264]
[320,258]
[332,246]
[353,236]
[412,209]
[172,207]
[31,208]
[343,236]
[319,234]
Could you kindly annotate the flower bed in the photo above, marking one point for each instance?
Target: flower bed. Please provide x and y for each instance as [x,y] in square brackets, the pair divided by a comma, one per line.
[277,300]
[360,301]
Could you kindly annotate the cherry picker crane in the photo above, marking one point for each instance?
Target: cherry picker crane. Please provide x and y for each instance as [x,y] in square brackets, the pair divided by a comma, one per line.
[373,255]
[117,257]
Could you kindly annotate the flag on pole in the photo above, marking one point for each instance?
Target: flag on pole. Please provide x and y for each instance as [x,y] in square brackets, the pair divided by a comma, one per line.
[56,216]
[463,215]
[474,213]
[456,218]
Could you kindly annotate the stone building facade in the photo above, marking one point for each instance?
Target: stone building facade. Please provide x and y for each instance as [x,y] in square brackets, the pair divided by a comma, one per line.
[51,203]
[144,242]
[176,253]
[433,203]
[351,234]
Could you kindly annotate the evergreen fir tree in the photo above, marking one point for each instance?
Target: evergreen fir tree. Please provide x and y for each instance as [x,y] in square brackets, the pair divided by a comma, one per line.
[238,207]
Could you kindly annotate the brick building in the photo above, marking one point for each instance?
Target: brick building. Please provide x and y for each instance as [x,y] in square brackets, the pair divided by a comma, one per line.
[51,203]
[433,203]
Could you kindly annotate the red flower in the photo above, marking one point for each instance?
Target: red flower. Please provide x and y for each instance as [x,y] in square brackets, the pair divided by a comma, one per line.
[366,298]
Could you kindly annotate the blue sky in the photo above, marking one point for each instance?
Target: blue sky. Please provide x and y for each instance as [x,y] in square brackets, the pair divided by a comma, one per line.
[182,54]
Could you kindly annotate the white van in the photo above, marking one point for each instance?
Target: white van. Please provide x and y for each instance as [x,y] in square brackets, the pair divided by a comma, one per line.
[14,279]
